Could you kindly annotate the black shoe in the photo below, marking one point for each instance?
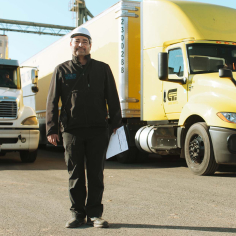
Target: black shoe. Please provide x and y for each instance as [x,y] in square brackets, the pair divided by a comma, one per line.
[97,222]
[75,222]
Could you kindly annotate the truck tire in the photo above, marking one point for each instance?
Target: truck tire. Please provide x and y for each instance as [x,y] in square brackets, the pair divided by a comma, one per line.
[28,157]
[198,149]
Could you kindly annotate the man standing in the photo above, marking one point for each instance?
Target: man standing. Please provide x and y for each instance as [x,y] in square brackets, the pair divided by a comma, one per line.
[86,87]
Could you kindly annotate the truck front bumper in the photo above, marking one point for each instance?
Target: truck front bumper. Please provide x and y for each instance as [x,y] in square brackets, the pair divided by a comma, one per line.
[224,145]
[17,140]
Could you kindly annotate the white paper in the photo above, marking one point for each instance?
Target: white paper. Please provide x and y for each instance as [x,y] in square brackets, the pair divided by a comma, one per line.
[117,144]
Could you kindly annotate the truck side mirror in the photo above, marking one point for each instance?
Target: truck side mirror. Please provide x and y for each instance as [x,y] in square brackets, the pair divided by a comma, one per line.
[35,89]
[34,76]
[34,79]
[223,72]
[163,69]
[163,66]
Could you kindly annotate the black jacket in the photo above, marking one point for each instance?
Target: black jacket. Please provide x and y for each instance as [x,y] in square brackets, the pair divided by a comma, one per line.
[87,102]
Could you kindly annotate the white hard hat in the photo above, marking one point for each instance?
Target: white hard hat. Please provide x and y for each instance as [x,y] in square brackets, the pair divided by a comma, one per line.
[81,31]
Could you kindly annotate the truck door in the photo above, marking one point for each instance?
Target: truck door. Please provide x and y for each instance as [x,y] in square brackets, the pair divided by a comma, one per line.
[175,94]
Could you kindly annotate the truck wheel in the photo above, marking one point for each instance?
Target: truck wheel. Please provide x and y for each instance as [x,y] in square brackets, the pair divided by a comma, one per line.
[198,149]
[128,156]
[28,157]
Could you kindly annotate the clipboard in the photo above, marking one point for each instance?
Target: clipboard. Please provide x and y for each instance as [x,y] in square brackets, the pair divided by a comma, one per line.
[117,144]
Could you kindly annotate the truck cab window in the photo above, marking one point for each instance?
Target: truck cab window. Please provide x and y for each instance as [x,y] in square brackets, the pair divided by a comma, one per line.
[209,58]
[8,78]
[175,62]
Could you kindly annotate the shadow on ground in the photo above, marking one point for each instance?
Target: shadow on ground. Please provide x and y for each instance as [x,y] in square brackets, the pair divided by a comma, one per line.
[193,228]
[168,227]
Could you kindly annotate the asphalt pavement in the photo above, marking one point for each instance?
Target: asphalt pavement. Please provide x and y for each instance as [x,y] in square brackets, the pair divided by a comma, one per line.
[157,197]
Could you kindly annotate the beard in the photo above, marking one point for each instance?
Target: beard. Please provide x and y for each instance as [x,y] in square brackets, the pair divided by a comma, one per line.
[80,51]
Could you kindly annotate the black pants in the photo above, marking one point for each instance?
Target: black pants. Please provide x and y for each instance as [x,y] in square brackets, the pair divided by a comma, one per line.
[86,148]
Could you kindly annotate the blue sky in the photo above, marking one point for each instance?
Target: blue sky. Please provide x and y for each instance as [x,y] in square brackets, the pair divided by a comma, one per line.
[22,46]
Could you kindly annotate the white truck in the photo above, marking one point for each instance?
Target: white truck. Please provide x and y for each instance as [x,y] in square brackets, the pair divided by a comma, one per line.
[19,128]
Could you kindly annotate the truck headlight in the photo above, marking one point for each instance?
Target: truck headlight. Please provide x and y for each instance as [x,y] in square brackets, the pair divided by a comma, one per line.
[229,117]
[30,121]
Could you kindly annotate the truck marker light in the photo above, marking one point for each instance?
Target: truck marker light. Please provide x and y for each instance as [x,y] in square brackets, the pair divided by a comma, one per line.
[218,42]
[234,43]
[226,42]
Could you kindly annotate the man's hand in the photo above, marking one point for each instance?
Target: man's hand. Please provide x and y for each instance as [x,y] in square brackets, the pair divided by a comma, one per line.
[53,138]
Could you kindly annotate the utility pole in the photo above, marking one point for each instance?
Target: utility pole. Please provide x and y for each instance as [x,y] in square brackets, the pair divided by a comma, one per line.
[82,12]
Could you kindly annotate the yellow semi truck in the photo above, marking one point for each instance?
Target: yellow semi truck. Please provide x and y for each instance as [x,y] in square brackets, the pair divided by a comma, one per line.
[173,62]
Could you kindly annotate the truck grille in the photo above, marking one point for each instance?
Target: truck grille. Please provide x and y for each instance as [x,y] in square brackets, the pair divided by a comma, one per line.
[8,109]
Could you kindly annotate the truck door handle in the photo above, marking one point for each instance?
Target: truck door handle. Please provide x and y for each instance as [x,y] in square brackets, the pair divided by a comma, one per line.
[164,96]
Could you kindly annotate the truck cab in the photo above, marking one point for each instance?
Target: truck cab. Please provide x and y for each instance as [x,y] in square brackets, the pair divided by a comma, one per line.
[19,129]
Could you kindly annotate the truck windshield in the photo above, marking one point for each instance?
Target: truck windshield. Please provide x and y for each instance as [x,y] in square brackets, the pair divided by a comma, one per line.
[209,58]
[9,77]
